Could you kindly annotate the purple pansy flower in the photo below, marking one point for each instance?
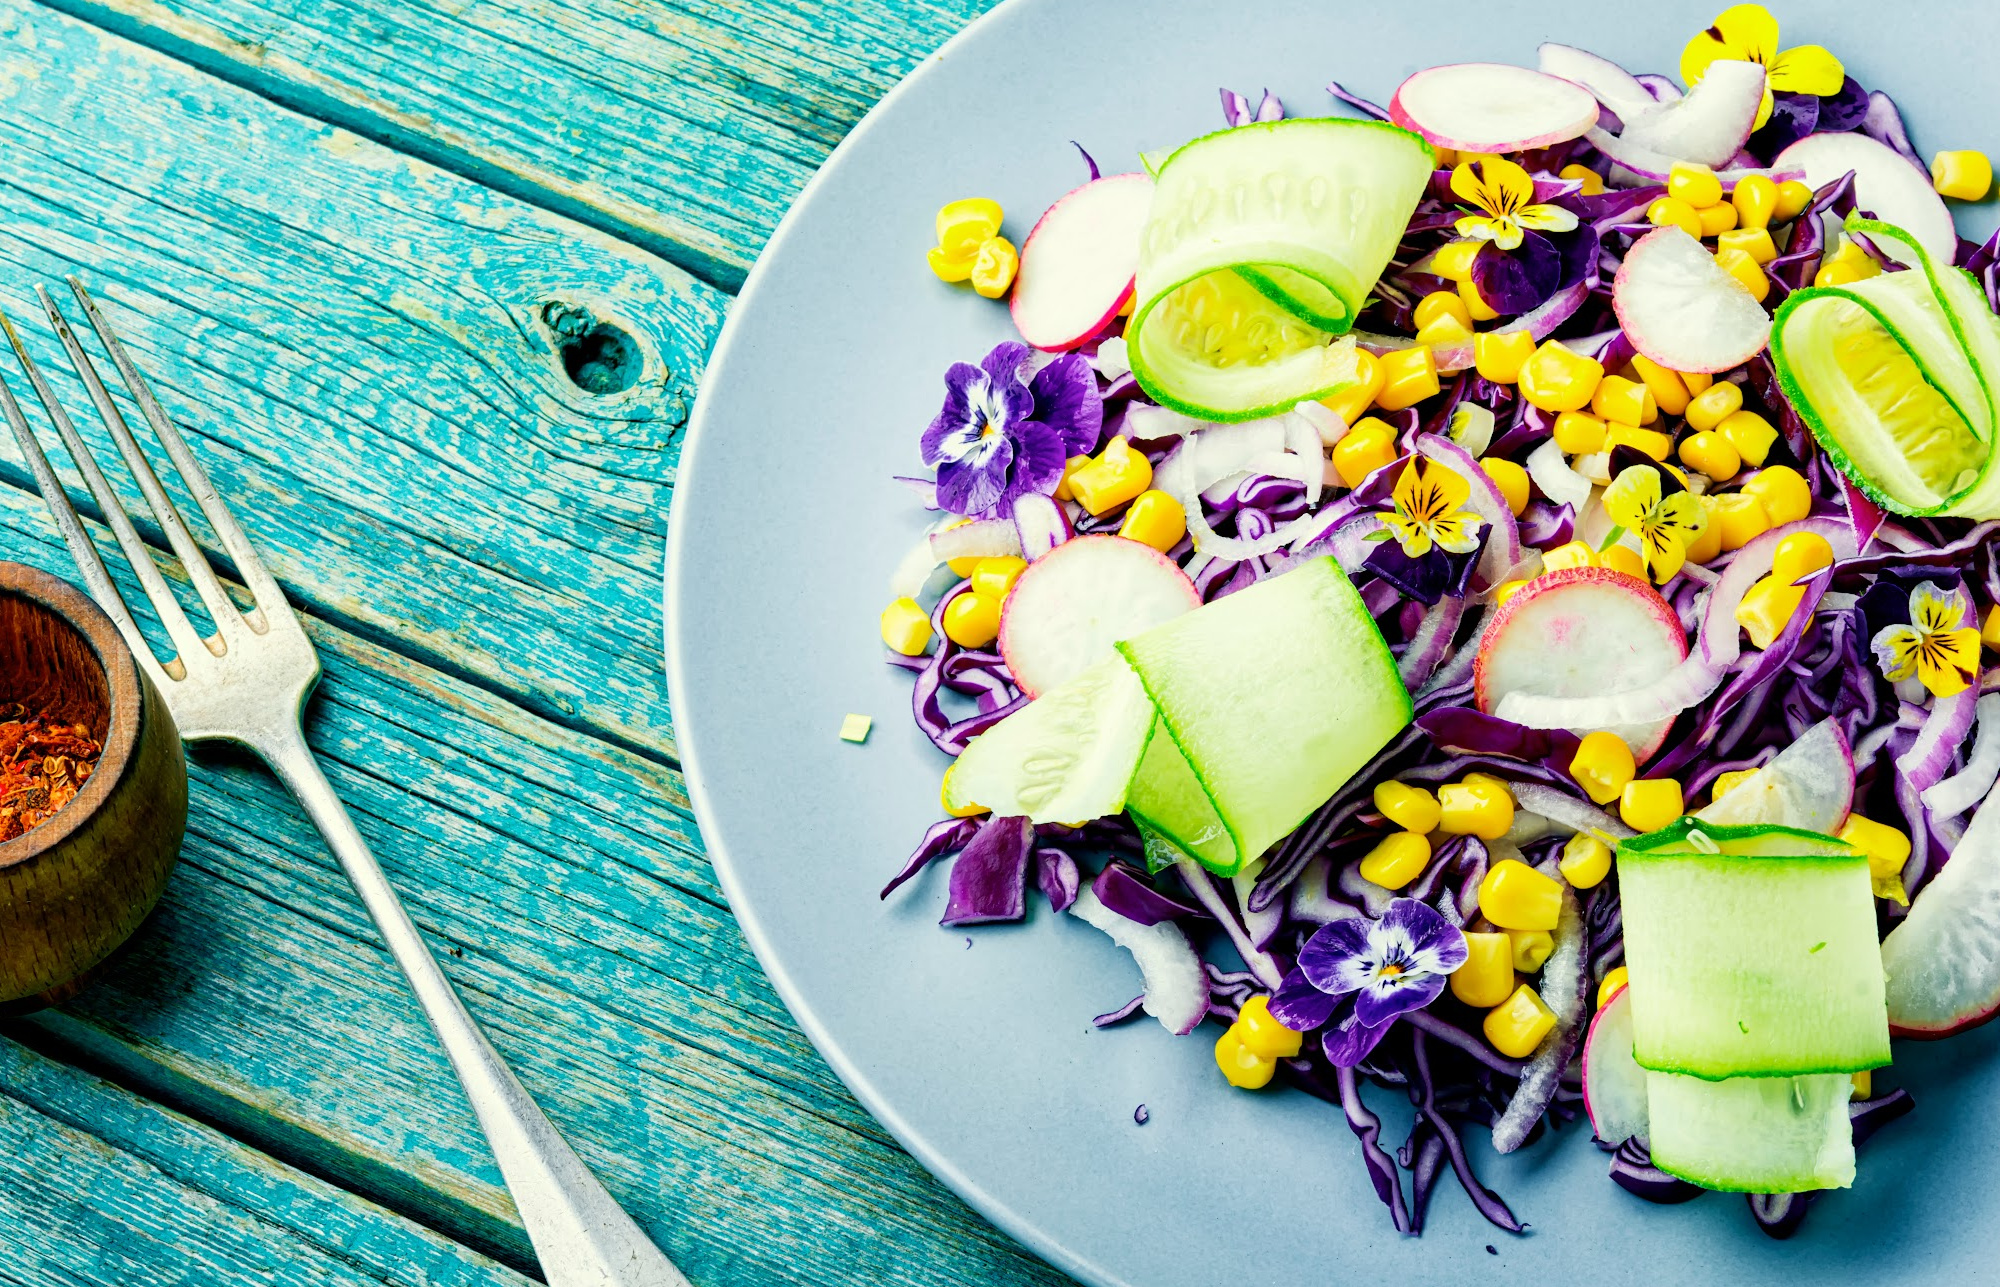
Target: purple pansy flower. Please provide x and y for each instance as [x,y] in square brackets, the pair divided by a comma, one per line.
[1387,968]
[1000,437]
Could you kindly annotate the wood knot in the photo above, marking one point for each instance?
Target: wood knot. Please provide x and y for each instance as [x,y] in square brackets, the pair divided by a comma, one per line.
[598,356]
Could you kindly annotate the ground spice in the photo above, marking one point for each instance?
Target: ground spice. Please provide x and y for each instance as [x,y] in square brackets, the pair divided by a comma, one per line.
[43,764]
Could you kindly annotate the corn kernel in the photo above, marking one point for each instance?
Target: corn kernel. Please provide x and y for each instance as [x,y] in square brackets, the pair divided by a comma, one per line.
[1117,475]
[1738,519]
[1070,466]
[1840,274]
[1669,393]
[1507,589]
[1396,860]
[1694,184]
[1647,804]
[1556,379]
[1793,197]
[1475,808]
[1515,896]
[1593,182]
[1240,1065]
[1706,409]
[906,627]
[1154,518]
[1755,198]
[1717,220]
[994,267]
[1511,479]
[1709,543]
[1864,1084]
[1674,212]
[962,225]
[1262,1034]
[1751,435]
[1410,807]
[1783,493]
[1453,260]
[1352,403]
[1623,558]
[1746,271]
[1444,329]
[1754,242]
[972,620]
[1887,848]
[1367,447]
[1408,377]
[1799,556]
[1627,402]
[1586,861]
[1498,355]
[1711,453]
[944,798]
[1650,442]
[995,576]
[1517,1025]
[1727,782]
[1497,783]
[1442,303]
[1579,433]
[1444,157]
[1613,980]
[1487,977]
[1475,304]
[1989,629]
[962,567]
[1697,382]
[1965,175]
[1571,554]
[1602,765]
[1531,948]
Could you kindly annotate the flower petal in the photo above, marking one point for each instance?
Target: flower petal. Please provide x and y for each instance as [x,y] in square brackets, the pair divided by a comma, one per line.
[964,385]
[1630,498]
[1299,1005]
[1896,651]
[974,487]
[1936,672]
[1510,186]
[1807,69]
[1066,399]
[1414,537]
[1339,958]
[1664,553]
[1351,1041]
[1457,532]
[1379,1002]
[1749,32]
[1545,218]
[1935,609]
[1436,943]
[1004,363]
[1039,456]
[1466,186]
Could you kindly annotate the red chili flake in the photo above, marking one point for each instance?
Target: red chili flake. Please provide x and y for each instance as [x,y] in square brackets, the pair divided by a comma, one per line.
[43,764]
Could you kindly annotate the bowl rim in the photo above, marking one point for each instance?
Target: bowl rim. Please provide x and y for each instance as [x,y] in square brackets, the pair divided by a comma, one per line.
[126,690]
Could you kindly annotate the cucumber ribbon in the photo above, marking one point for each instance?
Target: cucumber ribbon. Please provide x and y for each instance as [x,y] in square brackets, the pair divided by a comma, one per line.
[1261,247]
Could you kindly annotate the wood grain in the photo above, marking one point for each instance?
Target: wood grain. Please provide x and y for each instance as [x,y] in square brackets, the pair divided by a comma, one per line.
[683,126]
[99,1186]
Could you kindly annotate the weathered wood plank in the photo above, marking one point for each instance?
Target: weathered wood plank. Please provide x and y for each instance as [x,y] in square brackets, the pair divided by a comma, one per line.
[99,1186]
[358,341]
[558,876]
[684,126]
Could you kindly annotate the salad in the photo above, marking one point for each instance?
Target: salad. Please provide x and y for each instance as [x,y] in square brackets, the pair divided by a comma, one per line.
[1484,600]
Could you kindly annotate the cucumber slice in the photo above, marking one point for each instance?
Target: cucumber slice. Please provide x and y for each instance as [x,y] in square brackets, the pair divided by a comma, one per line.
[1173,813]
[1753,1134]
[1275,696]
[1310,210]
[1752,952]
[1068,757]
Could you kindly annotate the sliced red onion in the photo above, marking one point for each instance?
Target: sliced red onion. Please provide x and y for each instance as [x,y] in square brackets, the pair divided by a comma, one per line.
[981,539]
[1176,985]
[1564,986]
[1779,1215]
[1503,541]
[1040,524]
[1209,894]
[1633,1170]
[1567,811]
[1652,166]
[1954,795]
[1431,642]
[1557,481]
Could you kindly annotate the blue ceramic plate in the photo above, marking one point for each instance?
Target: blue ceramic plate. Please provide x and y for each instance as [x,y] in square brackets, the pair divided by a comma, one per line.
[978,1053]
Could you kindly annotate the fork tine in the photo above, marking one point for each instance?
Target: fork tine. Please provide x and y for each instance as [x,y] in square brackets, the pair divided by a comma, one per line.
[206,584]
[179,628]
[249,564]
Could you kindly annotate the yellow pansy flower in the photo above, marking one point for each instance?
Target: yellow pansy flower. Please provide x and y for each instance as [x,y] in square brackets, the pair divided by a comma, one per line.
[1665,524]
[1506,193]
[1429,511]
[1748,33]
[1938,646]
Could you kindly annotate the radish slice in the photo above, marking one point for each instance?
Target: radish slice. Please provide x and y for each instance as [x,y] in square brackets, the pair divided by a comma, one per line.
[987,538]
[1492,107]
[1885,184]
[1711,123]
[1041,524]
[1612,85]
[1077,600]
[1682,309]
[1614,1085]
[1176,984]
[1809,785]
[1580,631]
[1078,262]
[1943,961]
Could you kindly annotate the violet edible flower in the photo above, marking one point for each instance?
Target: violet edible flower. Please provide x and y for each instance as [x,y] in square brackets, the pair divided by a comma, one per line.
[1388,967]
[1000,437]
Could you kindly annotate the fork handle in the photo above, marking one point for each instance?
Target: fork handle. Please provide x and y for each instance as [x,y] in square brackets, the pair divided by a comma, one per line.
[580,1233]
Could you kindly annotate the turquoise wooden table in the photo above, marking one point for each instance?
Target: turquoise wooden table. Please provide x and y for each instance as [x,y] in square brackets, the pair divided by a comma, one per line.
[430,282]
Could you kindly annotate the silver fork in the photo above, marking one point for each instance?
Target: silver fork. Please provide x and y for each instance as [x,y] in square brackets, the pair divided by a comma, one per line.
[248,683]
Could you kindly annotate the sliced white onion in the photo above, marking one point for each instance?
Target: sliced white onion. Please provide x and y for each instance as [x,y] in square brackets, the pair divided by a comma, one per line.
[1176,985]
[1567,811]
[1557,480]
[1255,446]
[1324,419]
[1040,524]
[1649,166]
[1970,784]
[985,538]
[1472,427]
[1149,423]
[909,581]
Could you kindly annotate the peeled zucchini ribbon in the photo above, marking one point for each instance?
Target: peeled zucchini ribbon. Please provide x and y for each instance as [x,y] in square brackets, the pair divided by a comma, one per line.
[1896,376]
[1262,245]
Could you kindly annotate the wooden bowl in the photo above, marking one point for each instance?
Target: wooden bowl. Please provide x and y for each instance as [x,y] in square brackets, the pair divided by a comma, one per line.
[74,888]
